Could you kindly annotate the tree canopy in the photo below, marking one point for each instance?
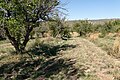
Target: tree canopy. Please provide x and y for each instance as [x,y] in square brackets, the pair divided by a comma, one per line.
[19,17]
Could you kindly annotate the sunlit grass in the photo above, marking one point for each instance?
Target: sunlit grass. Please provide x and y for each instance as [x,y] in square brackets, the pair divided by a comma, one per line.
[85,56]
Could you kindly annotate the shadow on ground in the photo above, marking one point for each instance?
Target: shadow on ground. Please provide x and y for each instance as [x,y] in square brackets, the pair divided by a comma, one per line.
[49,50]
[40,69]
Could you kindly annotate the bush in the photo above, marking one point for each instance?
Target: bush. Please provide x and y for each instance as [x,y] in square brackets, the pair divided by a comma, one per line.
[59,28]
[42,29]
[108,27]
[83,27]
[116,48]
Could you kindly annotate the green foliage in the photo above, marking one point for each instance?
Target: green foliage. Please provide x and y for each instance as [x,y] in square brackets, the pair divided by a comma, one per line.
[59,28]
[116,24]
[43,28]
[16,29]
[66,32]
[109,27]
[83,27]
[96,28]
[106,28]
[19,17]
[54,27]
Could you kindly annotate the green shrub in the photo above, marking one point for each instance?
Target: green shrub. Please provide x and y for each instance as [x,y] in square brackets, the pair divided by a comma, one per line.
[43,28]
[59,28]
[83,27]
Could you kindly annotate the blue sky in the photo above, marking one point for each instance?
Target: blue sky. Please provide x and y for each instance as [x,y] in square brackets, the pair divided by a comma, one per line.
[92,9]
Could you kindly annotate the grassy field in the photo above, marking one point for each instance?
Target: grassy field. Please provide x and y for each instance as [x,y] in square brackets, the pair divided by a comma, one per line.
[56,59]
[93,56]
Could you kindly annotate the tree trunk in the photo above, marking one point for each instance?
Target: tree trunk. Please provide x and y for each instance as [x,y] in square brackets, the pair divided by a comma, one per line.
[19,47]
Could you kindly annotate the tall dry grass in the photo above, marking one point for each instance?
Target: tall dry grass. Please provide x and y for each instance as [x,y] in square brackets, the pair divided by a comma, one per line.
[116,48]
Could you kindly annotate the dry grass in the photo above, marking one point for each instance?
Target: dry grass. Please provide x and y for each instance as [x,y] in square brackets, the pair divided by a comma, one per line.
[93,36]
[92,60]
[74,34]
[116,48]
[110,44]
[4,41]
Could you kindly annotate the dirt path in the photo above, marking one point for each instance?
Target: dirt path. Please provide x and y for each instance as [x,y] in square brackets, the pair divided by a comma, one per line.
[105,77]
[92,57]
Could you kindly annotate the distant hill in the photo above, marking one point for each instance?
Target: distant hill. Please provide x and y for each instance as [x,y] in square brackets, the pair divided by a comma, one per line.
[97,21]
